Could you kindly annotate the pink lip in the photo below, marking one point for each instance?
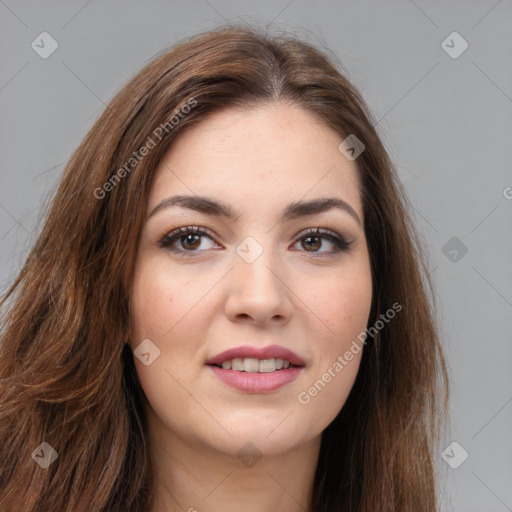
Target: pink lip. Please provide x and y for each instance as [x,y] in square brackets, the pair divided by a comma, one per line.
[257,382]
[269,352]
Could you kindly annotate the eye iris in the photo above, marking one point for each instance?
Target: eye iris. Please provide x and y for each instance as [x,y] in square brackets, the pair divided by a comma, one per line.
[188,238]
[315,246]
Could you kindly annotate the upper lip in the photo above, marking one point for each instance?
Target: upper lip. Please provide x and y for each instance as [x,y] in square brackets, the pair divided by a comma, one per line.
[268,352]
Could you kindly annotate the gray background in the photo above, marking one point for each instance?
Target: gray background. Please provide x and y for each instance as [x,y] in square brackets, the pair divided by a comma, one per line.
[445,121]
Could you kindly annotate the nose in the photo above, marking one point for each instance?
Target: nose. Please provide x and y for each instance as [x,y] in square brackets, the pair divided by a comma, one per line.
[259,292]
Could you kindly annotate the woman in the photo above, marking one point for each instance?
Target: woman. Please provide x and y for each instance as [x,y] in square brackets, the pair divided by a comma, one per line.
[226,307]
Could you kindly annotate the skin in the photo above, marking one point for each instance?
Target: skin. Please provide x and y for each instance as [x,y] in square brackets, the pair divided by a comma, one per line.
[305,297]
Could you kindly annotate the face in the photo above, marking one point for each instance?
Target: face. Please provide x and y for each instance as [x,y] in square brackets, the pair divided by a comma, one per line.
[251,273]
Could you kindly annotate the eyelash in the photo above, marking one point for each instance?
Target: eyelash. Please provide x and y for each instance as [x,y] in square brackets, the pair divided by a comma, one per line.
[341,245]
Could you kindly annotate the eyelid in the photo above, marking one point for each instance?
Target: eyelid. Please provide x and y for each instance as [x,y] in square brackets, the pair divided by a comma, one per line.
[169,236]
[318,230]
[341,243]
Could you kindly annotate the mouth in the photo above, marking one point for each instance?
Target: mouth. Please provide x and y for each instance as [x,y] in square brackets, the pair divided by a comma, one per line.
[250,359]
[256,370]
[253,365]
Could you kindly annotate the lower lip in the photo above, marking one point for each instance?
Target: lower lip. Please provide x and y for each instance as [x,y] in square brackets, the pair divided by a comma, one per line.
[254,382]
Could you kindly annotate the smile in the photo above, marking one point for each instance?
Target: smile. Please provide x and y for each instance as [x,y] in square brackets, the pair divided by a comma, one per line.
[256,381]
[251,364]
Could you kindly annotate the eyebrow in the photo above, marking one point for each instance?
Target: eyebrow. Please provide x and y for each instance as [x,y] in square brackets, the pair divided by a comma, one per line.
[292,211]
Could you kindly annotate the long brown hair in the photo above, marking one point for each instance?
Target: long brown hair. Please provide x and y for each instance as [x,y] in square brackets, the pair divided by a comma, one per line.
[67,375]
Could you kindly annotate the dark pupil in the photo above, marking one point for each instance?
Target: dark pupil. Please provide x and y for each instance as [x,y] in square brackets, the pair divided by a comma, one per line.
[317,245]
[191,237]
[188,242]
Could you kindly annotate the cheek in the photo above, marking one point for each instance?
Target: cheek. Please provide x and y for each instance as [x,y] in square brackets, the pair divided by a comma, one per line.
[161,301]
[343,305]
[168,311]
[169,308]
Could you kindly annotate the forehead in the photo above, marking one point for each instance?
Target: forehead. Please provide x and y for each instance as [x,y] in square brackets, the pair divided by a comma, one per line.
[273,153]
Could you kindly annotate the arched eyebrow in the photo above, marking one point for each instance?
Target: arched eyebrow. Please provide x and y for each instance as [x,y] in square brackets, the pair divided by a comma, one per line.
[294,210]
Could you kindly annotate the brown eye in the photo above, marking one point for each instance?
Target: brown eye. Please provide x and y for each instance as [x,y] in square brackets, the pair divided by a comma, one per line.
[312,242]
[190,239]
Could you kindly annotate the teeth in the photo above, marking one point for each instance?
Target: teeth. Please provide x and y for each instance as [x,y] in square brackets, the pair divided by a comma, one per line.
[237,364]
[251,364]
[267,365]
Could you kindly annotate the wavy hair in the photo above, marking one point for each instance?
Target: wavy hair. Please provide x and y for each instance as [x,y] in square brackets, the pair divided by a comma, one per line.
[67,375]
